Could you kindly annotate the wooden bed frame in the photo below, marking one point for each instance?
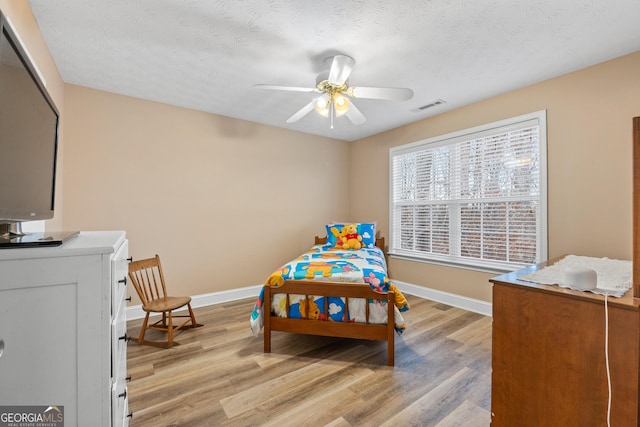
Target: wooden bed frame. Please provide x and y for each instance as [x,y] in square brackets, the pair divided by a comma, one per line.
[367,331]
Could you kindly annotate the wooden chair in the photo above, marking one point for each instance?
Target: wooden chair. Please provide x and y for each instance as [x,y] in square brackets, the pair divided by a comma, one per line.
[148,280]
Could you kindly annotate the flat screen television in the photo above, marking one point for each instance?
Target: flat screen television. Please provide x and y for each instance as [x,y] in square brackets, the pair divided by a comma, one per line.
[29,123]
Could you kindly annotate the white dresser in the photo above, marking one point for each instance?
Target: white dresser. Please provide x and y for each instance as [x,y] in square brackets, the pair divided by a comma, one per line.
[63,328]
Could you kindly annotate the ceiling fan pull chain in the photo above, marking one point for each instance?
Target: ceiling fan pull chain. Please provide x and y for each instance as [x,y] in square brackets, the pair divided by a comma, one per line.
[332,111]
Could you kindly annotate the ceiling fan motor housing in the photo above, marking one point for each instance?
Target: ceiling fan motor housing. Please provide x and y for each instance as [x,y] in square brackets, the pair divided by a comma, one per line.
[323,85]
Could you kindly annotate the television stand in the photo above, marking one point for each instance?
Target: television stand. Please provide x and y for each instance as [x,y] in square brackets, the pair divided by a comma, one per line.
[9,231]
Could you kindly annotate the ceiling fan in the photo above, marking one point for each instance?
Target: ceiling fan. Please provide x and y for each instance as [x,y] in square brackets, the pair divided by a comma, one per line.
[336,93]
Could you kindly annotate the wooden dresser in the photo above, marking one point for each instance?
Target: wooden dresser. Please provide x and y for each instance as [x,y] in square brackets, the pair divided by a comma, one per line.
[548,356]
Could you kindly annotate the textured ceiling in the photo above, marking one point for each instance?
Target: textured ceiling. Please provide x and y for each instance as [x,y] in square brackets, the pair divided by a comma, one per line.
[208,54]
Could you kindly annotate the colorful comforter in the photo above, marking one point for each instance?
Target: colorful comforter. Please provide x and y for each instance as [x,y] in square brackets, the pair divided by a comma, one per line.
[325,263]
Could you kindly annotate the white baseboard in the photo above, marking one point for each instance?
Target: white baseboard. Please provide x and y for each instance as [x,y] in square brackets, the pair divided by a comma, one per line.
[465,303]
[136,312]
[469,304]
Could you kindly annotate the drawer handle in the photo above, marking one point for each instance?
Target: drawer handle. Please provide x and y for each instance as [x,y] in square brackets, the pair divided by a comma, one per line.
[128,299]
[125,337]
[123,281]
[130,415]
[123,394]
[130,259]
[127,379]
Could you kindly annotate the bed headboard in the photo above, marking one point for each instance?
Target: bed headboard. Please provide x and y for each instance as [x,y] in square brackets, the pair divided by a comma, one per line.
[636,207]
[323,240]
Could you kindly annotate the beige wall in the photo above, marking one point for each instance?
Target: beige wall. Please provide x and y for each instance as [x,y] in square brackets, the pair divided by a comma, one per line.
[589,146]
[224,202]
[27,28]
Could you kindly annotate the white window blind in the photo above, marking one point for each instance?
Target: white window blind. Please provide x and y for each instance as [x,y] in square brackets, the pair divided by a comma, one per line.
[474,198]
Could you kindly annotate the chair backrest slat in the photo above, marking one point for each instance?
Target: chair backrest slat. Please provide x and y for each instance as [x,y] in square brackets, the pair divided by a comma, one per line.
[148,279]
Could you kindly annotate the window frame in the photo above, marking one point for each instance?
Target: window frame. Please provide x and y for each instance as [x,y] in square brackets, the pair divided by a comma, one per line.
[495,128]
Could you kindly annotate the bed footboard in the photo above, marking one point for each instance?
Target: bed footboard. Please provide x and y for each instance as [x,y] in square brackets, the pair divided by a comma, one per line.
[368,331]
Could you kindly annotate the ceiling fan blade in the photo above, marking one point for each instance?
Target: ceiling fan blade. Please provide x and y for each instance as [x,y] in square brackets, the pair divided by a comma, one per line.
[353,114]
[301,113]
[341,67]
[289,88]
[388,93]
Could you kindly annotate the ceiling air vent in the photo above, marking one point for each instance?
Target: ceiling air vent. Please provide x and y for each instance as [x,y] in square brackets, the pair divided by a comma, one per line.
[429,105]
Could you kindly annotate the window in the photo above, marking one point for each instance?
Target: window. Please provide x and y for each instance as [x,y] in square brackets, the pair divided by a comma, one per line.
[475,198]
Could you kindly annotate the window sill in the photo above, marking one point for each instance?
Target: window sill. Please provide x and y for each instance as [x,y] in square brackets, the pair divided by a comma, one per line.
[479,268]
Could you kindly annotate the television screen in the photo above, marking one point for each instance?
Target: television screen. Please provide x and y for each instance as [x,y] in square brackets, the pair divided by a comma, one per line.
[28,135]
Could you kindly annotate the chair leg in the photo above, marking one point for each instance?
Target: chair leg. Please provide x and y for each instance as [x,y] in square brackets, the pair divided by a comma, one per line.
[166,323]
[193,317]
[170,329]
[143,330]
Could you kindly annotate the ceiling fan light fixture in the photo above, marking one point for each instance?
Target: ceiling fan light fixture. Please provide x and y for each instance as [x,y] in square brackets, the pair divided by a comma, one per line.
[321,106]
[340,104]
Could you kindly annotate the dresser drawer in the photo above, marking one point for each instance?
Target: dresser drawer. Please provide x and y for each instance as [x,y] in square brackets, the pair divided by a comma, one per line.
[119,340]
[120,404]
[119,277]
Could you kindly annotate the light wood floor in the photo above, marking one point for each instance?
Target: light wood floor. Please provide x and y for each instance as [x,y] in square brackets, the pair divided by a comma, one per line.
[219,375]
